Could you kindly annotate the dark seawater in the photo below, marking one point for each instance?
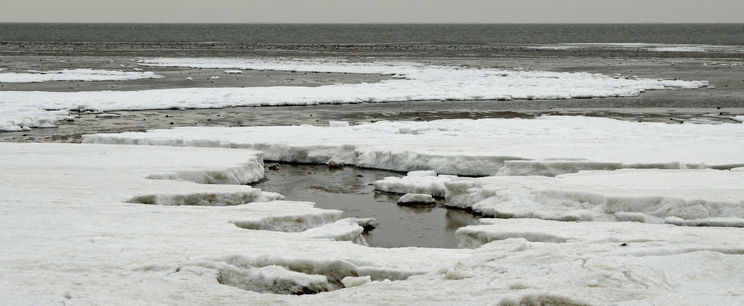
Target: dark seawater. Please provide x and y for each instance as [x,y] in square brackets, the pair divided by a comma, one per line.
[350,189]
[451,34]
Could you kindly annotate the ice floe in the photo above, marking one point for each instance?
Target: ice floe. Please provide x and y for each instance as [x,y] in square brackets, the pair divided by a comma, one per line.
[413,199]
[548,145]
[420,82]
[414,182]
[86,75]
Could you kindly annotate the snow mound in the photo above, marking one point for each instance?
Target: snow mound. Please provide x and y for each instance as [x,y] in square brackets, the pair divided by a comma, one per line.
[420,82]
[682,197]
[86,75]
[558,145]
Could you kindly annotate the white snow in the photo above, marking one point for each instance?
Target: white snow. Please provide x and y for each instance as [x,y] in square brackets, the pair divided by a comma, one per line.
[548,145]
[71,238]
[86,75]
[416,198]
[682,197]
[233,71]
[421,82]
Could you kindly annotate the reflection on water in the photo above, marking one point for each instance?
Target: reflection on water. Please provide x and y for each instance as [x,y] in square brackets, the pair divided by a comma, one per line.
[350,189]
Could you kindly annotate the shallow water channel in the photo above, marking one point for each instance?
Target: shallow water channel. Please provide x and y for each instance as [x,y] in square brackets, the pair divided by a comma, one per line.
[350,189]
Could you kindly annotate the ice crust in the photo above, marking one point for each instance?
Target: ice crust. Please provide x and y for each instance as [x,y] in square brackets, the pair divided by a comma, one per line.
[86,75]
[73,240]
[557,145]
[413,81]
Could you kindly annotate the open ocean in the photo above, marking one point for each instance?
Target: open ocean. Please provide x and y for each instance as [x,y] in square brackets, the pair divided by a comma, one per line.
[449,34]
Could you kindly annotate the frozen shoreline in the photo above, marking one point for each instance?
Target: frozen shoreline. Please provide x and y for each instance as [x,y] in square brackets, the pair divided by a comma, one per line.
[22,110]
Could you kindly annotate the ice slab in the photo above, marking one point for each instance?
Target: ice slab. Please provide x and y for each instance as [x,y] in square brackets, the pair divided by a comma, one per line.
[621,233]
[682,197]
[431,185]
[548,145]
[418,82]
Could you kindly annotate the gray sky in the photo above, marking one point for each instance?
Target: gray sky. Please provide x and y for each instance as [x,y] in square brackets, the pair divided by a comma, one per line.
[496,11]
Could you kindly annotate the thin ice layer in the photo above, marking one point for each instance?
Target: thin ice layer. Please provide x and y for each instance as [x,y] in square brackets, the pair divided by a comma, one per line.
[548,145]
[411,81]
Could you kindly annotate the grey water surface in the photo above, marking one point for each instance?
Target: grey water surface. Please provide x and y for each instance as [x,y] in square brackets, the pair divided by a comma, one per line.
[349,189]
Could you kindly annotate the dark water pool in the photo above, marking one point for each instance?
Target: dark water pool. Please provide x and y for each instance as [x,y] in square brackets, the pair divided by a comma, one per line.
[350,189]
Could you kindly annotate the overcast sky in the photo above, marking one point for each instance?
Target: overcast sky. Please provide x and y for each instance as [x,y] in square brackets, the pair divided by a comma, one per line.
[495,11]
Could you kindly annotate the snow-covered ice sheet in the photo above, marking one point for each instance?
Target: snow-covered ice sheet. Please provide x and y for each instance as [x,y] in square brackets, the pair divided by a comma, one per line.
[86,75]
[68,236]
[69,230]
[411,81]
[548,145]
[681,197]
